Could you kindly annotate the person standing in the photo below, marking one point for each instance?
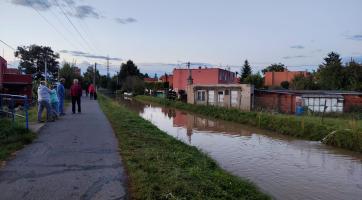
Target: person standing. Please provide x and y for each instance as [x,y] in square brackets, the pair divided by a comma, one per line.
[91,91]
[61,96]
[44,101]
[54,102]
[76,93]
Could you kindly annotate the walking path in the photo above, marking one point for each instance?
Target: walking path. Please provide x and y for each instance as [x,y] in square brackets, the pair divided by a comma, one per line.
[75,157]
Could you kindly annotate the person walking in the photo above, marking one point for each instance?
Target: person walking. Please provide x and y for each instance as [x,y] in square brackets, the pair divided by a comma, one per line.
[61,96]
[91,91]
[44,102]
[76,93]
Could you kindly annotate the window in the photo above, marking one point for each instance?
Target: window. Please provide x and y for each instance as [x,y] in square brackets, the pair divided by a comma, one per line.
[211,96]
[220,97]
[234,97]
[316,104]
[201,95]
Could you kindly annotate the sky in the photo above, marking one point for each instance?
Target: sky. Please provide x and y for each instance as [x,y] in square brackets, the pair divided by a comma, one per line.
[160,35]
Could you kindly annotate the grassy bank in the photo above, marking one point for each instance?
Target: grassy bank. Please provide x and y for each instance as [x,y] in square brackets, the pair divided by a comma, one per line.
[162,167]
[12,138]
[306,127]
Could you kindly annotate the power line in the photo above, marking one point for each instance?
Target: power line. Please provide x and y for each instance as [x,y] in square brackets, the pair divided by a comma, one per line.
[7,45]
[71,23]
[86,29]
[50,24]
[62,24]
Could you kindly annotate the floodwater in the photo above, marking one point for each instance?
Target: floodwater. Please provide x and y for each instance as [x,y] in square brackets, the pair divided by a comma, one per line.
[283,167]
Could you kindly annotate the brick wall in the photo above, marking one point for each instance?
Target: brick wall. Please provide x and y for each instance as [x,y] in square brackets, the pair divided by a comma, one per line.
[350,101]
[2,71]
[284,103]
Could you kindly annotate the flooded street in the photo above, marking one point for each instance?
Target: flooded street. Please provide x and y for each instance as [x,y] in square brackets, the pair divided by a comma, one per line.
[284,167]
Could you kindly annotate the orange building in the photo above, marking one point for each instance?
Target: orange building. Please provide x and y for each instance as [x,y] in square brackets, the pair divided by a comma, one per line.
[276,78]
[150,80]
[167,79]
[203,76]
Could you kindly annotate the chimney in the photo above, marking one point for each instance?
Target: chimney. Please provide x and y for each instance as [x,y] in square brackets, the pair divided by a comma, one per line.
[189,79]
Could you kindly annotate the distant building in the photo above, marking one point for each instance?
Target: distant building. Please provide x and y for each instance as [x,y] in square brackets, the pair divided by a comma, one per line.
[239,96]
[205,76]
[150,80]
[167,79]
[76,70]
[13,82]
[274,79]
[286,101]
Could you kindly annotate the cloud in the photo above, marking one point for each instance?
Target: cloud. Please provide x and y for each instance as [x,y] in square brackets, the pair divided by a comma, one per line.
[291,57]
[80,11]
[297,47]
[38,4]
[88,55]
[125,20]
[85,11]
[357,37]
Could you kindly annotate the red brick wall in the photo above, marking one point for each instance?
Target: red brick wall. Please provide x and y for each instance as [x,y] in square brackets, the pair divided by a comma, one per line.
[350,101]
[2,70]
[284,103]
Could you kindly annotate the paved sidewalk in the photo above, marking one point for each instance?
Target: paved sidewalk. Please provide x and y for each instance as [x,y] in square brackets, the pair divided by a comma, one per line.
[75,157]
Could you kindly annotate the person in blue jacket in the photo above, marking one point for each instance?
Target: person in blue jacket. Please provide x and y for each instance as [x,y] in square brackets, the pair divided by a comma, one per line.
[61,95]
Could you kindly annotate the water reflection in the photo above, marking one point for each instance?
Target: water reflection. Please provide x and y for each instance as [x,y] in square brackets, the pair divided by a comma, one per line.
[282,166]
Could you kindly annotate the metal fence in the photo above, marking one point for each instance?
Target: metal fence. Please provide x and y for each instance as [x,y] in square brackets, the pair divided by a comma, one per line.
[9,104]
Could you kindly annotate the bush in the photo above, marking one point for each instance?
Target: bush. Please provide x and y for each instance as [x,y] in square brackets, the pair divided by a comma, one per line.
[346,138]
[12,138]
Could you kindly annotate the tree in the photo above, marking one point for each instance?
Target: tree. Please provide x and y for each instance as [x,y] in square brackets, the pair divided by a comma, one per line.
[330,74]
[67,72]
[32,61]
[129,69]
[88,77]
[130,78]
[146,75]
[274,68]
[255,79]
[302,82]
[104,79]
[134,84]
[353,76]
[155,76]
[245,72]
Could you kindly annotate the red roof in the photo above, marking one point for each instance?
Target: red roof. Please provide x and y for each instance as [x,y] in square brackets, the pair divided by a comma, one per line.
[150,80]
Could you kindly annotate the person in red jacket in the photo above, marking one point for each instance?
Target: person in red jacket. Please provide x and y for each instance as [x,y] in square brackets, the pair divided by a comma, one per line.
[76,93]
[91,91]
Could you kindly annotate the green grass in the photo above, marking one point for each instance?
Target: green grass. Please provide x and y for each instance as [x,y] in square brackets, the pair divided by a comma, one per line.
[305,127]
[162,167]
[12,138]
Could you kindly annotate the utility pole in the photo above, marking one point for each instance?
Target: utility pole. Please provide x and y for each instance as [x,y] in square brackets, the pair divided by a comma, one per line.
[108,67]
[189,79]
[94,75]
[46,72]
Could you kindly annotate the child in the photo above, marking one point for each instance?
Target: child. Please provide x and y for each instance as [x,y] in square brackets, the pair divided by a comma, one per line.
[54,102]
